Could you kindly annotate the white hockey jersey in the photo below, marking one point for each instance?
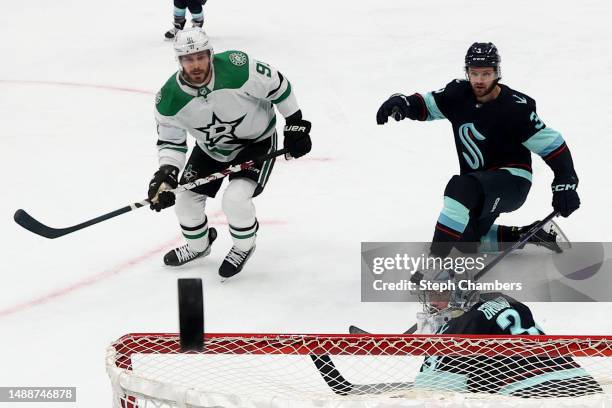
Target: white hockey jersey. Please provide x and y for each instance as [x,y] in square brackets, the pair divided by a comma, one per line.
[231,112]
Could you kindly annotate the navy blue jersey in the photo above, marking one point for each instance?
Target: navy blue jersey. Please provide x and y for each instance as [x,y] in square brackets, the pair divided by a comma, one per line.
[500,133]
[536,375]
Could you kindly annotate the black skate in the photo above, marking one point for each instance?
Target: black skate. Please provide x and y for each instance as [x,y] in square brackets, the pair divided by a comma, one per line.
[234,261]
[181,255]
[549,236]
[177,26]
[197,23]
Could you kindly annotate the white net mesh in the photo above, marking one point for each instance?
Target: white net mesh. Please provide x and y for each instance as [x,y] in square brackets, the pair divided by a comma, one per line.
[274,370]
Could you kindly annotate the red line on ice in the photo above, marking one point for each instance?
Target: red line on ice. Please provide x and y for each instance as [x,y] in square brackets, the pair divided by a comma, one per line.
[121,89]
[88,281]
[125,266]
[78,85]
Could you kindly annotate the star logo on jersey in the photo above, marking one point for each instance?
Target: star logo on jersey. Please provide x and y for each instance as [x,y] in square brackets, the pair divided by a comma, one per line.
[189,174]
[520,99]
[221,135]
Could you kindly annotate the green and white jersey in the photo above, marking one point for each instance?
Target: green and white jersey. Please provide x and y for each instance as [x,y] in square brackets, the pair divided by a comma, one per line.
[229,113]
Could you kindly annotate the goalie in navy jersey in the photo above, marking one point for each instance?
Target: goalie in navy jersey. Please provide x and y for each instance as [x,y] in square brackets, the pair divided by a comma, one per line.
[470,312]
[496,129]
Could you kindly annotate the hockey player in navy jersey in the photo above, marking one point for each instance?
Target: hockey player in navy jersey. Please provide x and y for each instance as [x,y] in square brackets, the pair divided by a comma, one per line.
[496,129]
[537,375]
[180,12]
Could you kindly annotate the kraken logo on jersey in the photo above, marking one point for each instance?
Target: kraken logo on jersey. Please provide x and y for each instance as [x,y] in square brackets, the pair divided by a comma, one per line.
[221,136]
[467,134]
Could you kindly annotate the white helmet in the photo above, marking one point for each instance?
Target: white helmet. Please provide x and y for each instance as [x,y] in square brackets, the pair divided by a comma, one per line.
[190,41]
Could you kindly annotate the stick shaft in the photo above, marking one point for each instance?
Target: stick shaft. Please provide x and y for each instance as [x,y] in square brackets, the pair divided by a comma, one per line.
[501,256]
[28,222]
[514,246]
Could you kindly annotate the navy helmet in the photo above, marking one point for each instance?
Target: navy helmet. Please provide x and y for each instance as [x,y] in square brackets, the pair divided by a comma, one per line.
[483,55]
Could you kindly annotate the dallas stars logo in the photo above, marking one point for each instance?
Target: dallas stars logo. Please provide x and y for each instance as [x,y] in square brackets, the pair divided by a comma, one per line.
[222,133]
[189,173]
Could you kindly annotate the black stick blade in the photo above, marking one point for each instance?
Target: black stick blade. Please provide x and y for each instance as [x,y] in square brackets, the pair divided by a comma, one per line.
[331,375]
[191,314]
[356,330]
[28,222]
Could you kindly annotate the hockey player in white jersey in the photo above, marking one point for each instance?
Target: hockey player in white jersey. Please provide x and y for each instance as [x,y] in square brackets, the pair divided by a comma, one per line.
[226,102]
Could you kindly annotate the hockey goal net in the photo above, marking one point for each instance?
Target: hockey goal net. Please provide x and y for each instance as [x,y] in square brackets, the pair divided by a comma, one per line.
[304,370]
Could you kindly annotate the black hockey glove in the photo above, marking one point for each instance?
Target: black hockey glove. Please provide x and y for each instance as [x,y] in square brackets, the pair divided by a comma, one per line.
[397,106]
[164,179]
[565,197]
[297,136]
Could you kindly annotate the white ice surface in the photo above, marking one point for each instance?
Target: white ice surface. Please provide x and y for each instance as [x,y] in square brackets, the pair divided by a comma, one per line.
[71,150]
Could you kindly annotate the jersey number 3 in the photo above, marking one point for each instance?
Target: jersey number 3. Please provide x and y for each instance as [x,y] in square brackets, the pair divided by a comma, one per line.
[538,122]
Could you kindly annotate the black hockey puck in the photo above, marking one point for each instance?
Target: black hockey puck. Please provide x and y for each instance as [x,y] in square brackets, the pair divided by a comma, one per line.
[191,314]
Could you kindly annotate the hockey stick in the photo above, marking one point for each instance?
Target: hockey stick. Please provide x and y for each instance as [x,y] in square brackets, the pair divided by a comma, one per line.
[28,222]
[342,386]
[530,232]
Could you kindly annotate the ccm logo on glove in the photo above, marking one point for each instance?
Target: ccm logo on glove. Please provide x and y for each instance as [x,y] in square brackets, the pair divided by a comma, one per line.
[563,187]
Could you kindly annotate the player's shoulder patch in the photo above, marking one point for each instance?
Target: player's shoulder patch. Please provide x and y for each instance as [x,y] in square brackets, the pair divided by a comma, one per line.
[170,99]
[231,69]
[521,100]
[238,58]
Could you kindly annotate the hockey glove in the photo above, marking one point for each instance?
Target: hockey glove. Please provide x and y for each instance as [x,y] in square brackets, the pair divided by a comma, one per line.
[297,136]
[164,179]
[565,197]
[397,106]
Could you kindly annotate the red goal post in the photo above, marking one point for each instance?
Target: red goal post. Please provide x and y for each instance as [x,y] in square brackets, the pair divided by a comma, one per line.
[343,370]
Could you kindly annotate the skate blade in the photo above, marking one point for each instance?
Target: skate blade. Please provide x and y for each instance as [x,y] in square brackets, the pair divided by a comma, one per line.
[223,280]
[562,241]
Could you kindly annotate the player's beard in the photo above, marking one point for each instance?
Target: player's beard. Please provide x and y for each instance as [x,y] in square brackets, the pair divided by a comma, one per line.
[198,76]
[481,92]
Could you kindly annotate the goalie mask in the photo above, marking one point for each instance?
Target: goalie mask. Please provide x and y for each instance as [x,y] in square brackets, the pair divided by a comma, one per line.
[443,304]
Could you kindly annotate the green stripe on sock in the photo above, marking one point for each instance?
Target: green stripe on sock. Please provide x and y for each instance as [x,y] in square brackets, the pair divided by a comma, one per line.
[178,149]
[196,236]
[242,236]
